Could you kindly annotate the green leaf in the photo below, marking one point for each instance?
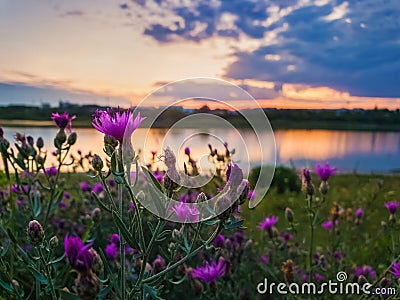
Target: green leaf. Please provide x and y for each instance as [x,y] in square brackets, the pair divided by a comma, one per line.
[150,291]
[56,260]
[11,236]
[153,179]
[120,224]
[38,275]
[5,285]
[211,222]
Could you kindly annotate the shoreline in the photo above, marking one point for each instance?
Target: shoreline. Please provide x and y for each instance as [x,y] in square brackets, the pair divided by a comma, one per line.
[276,125]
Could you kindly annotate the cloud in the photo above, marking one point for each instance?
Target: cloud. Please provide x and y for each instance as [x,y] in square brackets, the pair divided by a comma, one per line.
[73,13]
[351,46]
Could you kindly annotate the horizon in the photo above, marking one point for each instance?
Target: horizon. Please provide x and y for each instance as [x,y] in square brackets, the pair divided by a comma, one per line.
[291,54]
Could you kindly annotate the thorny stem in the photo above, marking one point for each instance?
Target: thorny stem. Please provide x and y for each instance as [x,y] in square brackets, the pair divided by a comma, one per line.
[122,240]
[48,274]
[311,217]
[188,256]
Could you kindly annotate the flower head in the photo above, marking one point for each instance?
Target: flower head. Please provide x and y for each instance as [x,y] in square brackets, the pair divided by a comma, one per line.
[395,269]
[62,120]
[111,251]
[306,175]
[115,239]
[186,212]
[235,176]
[187,151]
[268,223]
[210,272]
[219,241]
[85,187]
[98,188]
[115,123]
[392,207]
[329,224]
[77,253]
[359,213]
[324,172]
[51,172]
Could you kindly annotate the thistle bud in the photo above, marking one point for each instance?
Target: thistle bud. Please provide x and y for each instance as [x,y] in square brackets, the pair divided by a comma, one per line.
[40,143]
[30,140]
[87,286]
[289,215]
[53,242]
[201,198]
[323,188]
[383,283]
[97,163]
[96,214]
[109,140]
[60,138]
[72,138]
[97,265]
[35,232]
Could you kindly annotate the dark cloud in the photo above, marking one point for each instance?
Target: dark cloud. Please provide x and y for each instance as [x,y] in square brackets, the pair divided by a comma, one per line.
[350,45]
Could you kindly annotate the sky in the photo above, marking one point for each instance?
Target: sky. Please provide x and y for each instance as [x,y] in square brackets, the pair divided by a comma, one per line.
[285,53]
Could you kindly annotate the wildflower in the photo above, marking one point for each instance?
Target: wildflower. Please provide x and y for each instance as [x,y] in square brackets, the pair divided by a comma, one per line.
[115,239]
[35,232]
[359,213]
[324,172]
[219,241]
[365,270]
[77,253]
[39,143]
[67,195]
[186,212]
[306,175]
[329,224]
[53,242]
[307,184]
[62,204]
[268,223]
[209,273]
[111,251]
[395,269]
[98,188]
[392,207]
[63,121]
[265,259]
[319,277]
[51,172]
[72,138]
[235,176]
[115,124]
[187,151]
[85,187]
[97,266]
[159,264]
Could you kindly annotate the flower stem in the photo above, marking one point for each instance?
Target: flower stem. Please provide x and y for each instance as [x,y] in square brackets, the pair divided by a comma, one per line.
[48,274]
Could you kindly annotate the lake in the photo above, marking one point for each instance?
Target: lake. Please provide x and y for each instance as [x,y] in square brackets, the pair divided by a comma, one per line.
[364,152]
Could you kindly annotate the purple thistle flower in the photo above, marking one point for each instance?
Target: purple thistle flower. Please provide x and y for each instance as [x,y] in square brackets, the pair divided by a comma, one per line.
[324,172]
[392,207]
[329,224]
[115,239]
[359,213]
[338,255]
[268,223]
[265,259]
[251,195]
[111,251]
[306,175]
[319,277]
[219,241]
[186,212]
[116,123]
[235,176]
[111,182]
[77,253]
[62,121]
[210,272]
[187,151]
[159,264]
[98,188]
[395,269]
[365,271]
[85,187]
[51,172]
[62,204]
[67,195]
